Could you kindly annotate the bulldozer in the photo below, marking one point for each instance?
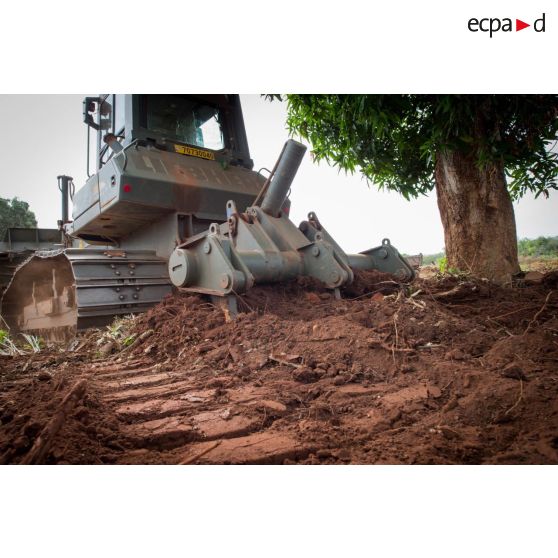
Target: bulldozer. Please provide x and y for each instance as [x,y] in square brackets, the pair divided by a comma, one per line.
[174,202]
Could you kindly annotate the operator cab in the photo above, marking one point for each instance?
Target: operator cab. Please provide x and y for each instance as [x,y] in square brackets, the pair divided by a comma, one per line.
[168,122]
[162,168]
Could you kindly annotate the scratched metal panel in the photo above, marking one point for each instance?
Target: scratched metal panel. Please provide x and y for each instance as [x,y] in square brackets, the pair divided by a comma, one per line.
[86,197]
[143,185]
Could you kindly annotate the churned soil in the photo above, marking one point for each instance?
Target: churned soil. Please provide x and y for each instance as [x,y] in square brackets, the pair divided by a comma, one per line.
[446,370]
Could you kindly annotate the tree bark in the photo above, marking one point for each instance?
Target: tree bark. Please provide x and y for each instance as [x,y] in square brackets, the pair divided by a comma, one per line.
[477,215]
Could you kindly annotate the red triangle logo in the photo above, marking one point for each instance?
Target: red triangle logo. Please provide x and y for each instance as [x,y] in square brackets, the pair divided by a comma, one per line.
[519,25]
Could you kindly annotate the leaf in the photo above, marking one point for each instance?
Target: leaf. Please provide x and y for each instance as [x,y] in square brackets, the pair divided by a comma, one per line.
[392,140]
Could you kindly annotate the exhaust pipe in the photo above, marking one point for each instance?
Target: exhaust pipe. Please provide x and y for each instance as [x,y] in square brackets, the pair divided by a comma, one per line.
[64,187]
[283,177]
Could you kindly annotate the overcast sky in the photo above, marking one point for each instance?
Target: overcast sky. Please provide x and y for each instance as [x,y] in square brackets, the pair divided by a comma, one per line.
[43,136]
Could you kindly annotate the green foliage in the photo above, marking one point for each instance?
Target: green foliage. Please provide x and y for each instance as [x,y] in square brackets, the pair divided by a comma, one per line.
[445,269]
[9,348]
[127,341]
[15,213]
[33,343]
[119,332]
[393,140]
[542,246]
[114,330]
[432,258]
[7,345]
[442,264]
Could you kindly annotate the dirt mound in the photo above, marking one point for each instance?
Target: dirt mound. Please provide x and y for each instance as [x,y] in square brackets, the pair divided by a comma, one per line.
[441,371]
[37,426]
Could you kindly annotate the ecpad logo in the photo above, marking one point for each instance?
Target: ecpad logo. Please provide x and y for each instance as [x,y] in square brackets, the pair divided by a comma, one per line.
[492,25]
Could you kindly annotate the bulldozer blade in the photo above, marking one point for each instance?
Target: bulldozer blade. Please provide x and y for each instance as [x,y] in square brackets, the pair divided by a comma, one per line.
[40,298]
[58,293]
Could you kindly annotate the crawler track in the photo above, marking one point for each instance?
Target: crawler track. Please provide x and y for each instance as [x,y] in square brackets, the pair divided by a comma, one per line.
[55,293]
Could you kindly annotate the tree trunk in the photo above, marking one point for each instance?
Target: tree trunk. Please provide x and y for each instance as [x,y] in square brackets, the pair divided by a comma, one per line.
[478,218]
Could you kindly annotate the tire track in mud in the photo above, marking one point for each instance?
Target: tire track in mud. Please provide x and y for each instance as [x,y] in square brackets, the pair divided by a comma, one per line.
[170,417]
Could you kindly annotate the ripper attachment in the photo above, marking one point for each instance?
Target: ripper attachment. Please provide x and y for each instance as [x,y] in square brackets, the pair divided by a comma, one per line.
[262,245]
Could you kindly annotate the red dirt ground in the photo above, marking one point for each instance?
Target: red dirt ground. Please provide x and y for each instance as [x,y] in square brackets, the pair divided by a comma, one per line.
[446,371]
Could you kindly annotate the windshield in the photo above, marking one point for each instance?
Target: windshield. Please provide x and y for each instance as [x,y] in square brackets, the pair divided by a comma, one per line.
[185,119]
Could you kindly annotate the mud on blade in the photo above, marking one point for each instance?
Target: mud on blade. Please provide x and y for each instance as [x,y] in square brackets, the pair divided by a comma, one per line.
[55,294]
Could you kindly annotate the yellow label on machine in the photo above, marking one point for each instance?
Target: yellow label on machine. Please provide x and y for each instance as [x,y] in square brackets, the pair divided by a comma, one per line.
[194,152]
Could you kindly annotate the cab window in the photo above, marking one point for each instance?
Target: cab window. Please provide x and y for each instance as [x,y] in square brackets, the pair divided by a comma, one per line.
[184,119]
[106,114]
[119,115]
